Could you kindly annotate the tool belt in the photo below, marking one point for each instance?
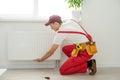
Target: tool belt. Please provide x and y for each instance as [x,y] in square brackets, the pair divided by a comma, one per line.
[90,47]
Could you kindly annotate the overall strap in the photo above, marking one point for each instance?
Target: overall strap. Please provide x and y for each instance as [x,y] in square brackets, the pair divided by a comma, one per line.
[76,32]
[71,32]
[89,37]
[80,25]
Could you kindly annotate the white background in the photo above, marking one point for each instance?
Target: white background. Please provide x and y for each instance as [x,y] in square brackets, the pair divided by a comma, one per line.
[102,19]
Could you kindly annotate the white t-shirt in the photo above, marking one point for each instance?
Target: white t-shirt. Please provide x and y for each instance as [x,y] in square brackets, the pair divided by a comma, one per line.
[71,38]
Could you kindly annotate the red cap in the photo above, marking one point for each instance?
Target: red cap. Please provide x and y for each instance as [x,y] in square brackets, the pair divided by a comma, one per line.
[52,19]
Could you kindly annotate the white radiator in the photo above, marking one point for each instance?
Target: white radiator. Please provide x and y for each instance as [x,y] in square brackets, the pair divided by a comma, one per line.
[28,45]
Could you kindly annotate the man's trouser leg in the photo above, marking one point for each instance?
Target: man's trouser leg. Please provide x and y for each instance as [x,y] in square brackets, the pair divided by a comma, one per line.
[74,64]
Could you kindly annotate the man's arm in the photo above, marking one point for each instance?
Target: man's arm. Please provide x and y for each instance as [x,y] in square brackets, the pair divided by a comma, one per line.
[48,53]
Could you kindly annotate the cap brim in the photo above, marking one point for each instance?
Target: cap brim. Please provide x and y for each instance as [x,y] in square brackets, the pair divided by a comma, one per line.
[47,23]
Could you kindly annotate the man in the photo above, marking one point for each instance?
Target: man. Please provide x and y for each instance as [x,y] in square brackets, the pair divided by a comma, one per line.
[81,62]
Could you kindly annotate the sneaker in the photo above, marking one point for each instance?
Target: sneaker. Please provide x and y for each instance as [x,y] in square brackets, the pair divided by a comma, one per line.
[92,67]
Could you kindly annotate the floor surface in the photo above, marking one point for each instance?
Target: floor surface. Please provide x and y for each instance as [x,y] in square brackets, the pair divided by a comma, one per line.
[40,74]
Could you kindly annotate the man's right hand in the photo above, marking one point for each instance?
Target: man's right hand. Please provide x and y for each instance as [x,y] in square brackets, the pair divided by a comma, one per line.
[38,60]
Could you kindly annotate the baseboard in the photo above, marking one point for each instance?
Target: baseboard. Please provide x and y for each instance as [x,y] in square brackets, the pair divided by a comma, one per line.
[26,66]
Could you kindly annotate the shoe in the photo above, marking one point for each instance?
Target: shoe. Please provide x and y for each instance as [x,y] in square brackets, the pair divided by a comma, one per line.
[92,67]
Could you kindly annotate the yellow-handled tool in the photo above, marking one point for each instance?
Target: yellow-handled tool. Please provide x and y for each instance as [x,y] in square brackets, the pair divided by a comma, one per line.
[76,50]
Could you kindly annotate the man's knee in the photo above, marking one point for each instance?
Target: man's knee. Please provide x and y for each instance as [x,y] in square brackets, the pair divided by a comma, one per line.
[62,71]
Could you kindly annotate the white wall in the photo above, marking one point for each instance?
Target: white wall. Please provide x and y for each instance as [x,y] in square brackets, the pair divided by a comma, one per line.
[101,18]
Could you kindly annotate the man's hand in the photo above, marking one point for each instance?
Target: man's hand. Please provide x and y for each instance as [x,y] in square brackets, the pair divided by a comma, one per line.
[47,54]
[38,60]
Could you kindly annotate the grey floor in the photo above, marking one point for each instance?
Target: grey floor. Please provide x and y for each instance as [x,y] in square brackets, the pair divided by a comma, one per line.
[39,74]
